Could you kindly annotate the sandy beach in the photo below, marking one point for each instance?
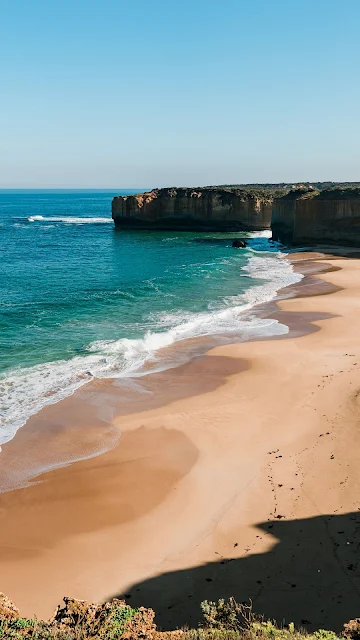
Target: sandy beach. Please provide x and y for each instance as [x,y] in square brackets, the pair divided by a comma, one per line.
[234,474]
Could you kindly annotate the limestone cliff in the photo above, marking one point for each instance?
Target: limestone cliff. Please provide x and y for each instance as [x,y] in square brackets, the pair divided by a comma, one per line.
[207,209]
[312,217]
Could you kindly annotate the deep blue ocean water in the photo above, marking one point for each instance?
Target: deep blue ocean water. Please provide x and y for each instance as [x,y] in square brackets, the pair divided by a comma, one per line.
[80,299]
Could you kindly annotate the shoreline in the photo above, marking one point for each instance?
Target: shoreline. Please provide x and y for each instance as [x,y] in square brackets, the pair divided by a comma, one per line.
[98,433]
[29,389]
[96,527]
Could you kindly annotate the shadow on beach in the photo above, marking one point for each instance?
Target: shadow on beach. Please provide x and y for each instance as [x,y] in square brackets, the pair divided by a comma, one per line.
[310,577]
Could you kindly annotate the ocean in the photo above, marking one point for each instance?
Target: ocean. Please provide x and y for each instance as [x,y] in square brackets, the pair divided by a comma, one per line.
[79,299]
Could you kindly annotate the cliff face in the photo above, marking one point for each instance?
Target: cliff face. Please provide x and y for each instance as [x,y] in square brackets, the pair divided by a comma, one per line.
[301,216]
[310,217]
[193,210]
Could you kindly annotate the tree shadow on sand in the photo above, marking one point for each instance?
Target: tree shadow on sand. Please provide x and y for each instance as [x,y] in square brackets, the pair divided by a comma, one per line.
[311,576]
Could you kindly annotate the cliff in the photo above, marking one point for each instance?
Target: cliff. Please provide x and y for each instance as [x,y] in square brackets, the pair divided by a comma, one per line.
[331,216]
[207,209]
[302,215]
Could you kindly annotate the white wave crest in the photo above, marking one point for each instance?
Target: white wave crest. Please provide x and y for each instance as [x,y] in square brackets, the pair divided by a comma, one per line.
[259,234]
[69,219]
[281,275]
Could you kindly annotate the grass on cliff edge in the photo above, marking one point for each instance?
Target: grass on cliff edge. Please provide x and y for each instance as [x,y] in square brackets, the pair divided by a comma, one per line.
[222,620]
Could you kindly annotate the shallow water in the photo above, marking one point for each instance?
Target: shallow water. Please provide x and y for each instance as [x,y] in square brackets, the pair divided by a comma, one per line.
[79,299]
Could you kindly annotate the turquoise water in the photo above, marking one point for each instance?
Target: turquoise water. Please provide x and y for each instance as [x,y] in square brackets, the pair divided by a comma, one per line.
[80,299]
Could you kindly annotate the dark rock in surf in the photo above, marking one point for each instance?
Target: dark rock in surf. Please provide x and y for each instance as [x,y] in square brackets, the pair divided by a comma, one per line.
[239,244]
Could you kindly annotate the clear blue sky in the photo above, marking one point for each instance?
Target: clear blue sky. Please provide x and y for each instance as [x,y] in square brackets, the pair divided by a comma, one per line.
[143,93]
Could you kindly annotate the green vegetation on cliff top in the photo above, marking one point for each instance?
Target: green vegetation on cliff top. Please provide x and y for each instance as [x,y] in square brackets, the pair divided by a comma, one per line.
[281,189]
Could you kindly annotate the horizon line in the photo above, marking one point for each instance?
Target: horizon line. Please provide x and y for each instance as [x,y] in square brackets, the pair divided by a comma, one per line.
[169,186]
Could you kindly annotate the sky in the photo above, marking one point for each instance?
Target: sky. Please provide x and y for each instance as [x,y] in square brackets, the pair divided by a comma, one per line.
[151,93]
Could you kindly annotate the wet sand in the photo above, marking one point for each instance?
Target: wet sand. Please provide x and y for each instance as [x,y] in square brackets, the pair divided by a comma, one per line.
[220,477]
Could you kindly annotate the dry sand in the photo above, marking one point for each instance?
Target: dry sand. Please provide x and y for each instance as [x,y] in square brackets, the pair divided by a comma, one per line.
[235,474]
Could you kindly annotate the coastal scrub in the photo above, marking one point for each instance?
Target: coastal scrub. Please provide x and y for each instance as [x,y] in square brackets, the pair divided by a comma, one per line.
[222,620]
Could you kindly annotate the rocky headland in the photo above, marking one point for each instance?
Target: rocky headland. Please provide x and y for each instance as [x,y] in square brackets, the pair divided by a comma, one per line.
[301,214]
